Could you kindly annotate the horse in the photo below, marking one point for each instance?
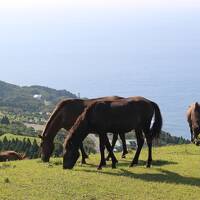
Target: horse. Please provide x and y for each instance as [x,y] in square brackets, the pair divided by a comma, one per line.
[117,116]
[10,155]
[64,116]
[193,118]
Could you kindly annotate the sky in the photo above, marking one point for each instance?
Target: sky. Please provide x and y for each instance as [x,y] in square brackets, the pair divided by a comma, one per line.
[74,44]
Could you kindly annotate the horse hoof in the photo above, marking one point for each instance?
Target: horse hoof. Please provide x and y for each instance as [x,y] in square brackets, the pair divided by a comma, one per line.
[133,164]
[123,156]
[148,166]
[86,156]
[99,168]
[83,162]
[114,167]
[108,158]
[103,164]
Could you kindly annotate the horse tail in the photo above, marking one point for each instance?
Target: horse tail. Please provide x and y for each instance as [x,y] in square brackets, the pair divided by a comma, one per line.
[157,125]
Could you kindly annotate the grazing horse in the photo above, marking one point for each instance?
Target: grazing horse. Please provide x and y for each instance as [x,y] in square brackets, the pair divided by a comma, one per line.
[193,118]
[10,155]
[117,116]
[64,116]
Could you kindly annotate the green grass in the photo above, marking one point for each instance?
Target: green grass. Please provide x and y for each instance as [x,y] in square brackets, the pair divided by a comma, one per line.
[175,175]
[11,136]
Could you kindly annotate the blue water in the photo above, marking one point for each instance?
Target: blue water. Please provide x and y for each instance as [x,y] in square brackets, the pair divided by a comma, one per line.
[173,88]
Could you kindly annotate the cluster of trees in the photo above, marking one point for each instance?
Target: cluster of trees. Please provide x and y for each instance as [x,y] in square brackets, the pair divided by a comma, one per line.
[167,138]
[17,128]
[31,150]
[5,120]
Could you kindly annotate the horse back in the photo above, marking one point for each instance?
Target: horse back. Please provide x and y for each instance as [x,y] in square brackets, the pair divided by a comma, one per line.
[120,114]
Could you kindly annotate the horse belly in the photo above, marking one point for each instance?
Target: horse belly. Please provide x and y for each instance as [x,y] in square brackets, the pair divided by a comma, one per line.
[115,125]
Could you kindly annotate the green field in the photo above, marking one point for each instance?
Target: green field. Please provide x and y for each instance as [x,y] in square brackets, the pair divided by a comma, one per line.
[175,174]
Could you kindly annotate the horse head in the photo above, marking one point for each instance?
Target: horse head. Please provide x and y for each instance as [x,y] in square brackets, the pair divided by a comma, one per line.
[70,155]
[46,148]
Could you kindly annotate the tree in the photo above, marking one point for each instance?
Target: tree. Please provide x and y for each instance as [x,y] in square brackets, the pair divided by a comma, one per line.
[5,120]
[89,145]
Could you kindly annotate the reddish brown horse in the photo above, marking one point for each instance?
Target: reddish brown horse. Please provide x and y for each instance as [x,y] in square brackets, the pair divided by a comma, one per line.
[10,155]
[117,116]
[193,118]
[64,116]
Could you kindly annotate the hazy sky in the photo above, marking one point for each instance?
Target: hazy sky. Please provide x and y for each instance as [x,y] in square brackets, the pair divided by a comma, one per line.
[72,44]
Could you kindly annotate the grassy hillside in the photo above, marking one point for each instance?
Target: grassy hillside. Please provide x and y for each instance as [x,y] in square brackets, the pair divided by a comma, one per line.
[175,175]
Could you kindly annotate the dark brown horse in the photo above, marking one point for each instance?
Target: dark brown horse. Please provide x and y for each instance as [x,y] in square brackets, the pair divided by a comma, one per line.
[10,155]
[117,116]
[64,116]
[193,118]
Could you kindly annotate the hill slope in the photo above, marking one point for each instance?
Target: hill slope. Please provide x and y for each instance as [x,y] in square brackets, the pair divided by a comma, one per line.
[22,98]
[174,175]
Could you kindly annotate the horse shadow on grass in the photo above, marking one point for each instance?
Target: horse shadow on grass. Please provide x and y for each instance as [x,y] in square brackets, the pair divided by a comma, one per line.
[126,163]
[163,176]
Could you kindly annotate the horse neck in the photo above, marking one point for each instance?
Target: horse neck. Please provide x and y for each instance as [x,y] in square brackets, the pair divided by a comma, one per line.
[79,131]
[52,128]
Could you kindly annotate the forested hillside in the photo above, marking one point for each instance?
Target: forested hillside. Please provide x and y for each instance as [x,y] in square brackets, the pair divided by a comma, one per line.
[29,99]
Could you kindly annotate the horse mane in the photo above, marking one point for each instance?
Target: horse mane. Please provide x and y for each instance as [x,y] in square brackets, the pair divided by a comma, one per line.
[58,107]
[81,122]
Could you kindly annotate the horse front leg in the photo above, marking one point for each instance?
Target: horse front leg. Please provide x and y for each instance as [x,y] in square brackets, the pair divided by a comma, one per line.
[140,142]
[123,139]
[110,150]
[114,140]
[191,132]
[83,153]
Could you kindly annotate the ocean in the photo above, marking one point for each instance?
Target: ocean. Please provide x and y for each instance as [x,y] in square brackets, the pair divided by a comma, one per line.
[173,89]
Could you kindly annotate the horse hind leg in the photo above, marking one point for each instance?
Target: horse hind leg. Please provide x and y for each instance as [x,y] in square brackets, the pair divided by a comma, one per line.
[140,142]
[149,144]
[125,151]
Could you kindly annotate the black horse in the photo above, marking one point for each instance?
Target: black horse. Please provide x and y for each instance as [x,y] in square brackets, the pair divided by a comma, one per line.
[117,116]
